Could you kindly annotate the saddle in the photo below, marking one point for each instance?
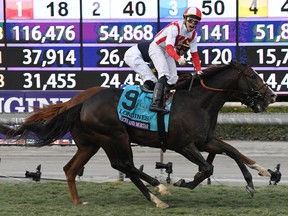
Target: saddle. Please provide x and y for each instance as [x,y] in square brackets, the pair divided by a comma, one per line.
[133,110]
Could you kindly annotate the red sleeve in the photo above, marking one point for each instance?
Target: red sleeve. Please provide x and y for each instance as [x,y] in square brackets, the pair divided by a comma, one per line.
[196,61]
[170,50]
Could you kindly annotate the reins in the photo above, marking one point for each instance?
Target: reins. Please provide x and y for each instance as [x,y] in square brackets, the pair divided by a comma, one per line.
[210,88]
[226,90]
[251,96]
[222,90]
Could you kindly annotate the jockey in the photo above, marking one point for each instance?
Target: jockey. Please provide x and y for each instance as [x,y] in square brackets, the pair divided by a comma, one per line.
[162,52]
[137,57]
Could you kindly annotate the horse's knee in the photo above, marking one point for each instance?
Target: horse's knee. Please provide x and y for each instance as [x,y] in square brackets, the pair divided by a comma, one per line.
[66,170]
[207,172]
[70,173]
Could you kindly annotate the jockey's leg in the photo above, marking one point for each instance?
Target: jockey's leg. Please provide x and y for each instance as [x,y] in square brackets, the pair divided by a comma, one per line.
[158,103]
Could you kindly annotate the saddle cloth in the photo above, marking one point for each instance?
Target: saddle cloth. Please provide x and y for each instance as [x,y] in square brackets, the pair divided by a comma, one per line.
[133,109]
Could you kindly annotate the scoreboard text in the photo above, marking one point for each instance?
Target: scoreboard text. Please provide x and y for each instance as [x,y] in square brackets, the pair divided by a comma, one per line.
[52,49]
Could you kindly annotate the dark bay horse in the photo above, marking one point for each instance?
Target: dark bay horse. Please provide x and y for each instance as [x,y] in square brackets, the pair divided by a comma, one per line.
[92,120]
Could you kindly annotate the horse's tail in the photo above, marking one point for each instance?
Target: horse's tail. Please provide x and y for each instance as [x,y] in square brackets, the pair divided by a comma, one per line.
[37,118]
[7,131]
[47,113]
[52,110]
[44,115]
[47,132]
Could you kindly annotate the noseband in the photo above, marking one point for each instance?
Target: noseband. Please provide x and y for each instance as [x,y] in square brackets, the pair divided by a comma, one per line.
[247,98]
[254,93]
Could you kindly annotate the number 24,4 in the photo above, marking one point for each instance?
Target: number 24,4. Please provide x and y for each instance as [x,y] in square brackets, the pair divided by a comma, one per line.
[114,80]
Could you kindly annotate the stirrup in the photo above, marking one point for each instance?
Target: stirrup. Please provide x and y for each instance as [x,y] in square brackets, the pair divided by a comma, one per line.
[145,89]
[148,86]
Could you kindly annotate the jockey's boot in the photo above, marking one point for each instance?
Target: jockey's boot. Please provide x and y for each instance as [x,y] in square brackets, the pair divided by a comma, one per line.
[158,103]
[148,86]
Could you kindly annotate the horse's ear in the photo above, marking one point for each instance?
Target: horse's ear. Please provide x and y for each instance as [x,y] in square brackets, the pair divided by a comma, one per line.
[234,62]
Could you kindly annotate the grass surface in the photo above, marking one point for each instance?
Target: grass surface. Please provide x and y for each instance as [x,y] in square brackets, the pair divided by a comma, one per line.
[123,199]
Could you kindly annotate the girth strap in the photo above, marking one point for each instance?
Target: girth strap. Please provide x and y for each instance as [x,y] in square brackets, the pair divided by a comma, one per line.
[161,131]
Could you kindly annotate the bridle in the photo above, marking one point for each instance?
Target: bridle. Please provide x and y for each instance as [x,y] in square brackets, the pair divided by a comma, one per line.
[247,98]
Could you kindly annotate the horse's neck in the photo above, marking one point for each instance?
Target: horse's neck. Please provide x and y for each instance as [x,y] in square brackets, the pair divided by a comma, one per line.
[212,99]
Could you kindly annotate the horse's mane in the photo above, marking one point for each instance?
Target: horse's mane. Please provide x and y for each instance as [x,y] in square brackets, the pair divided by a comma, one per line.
[211,71]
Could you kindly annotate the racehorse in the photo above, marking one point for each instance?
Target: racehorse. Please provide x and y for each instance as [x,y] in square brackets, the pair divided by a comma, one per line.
[93,123]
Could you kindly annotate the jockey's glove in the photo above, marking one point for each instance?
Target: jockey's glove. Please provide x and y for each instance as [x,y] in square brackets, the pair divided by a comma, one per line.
[182,61]
[200,73]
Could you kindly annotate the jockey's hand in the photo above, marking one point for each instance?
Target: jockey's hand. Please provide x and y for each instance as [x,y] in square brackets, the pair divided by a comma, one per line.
[182,61]
[199,73]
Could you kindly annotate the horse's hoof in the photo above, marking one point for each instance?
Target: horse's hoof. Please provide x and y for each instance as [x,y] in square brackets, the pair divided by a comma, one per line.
[158,202]
[180,183]
[250,190]
[162,190]
[79,202]
[163,205]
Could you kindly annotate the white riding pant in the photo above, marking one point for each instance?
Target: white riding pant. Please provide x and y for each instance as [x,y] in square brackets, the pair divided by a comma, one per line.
[134,59]
[164,63]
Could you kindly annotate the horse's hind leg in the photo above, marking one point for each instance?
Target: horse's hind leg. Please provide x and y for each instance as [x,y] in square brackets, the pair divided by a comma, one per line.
[82,156]
[248,161]
[218,146]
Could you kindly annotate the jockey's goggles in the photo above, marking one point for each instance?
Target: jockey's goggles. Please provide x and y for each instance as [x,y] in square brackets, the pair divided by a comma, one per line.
[192,20]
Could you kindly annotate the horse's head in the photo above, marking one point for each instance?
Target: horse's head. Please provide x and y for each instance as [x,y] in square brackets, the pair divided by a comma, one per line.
[255,93]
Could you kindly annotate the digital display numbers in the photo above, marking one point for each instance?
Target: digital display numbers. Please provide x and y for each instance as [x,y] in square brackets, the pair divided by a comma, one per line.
[52,49]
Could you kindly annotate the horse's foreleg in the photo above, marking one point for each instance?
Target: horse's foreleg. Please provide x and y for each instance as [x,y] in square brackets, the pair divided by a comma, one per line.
[71,169]
[151,197]
[193,154]
[128,168]
[121,158]
[210,158]
[160,188]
